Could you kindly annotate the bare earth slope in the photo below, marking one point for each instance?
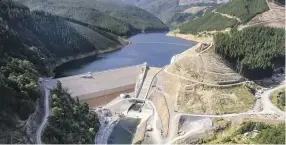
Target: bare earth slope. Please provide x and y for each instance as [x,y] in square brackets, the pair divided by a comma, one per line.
[274,17]
[208,85]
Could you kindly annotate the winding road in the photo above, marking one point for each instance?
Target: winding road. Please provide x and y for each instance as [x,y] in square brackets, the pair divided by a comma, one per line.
[228,16]
[47,113]
[267,105]
[267,109]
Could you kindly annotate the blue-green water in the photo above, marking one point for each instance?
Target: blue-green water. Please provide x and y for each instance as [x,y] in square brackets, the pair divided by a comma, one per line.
[123,131]
[156,49]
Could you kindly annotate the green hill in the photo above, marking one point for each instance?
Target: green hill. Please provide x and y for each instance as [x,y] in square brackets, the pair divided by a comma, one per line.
[169,11]
[254,52]
[137,17]
[30,43]
[119,19]
[242,9]
[208,22]
[77,126]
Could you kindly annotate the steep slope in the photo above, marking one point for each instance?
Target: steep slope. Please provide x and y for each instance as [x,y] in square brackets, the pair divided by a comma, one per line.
[254,52]
[274,17]
[225,16]
[167,10]
[77,125]
[139,18]
[119,19]
[31,42]
[208,22]
[243,9]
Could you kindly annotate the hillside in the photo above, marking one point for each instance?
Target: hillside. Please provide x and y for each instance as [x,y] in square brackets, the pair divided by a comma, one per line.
[254,52]
[28,50]
[249,133]
[243,9]
[170,11]
[77,125]
[208,22]
[206,84]
[120,19]
[225,16]
[274,17]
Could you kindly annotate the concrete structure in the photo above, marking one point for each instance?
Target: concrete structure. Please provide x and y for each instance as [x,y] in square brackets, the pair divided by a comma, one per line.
[147,82]
[102,87]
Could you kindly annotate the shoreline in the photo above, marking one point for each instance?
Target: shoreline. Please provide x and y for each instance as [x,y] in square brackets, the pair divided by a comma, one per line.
[85,55]
[124,42]
[190,37]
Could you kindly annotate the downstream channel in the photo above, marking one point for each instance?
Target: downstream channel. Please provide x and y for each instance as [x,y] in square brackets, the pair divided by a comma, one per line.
[156,49]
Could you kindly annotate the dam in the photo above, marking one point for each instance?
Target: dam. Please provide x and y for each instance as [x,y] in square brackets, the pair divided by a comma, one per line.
[99,88]
[119,72]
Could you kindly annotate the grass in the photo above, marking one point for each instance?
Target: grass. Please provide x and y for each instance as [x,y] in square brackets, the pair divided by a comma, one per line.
[215,100]
[194,10]
[276,100]
[243,102]
[228,137]
[236,134]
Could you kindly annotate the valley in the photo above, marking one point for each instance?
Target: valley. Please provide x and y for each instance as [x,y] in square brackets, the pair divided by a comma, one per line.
[108,72]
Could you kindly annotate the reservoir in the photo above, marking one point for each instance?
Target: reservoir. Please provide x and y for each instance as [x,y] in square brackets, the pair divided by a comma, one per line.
[156,49]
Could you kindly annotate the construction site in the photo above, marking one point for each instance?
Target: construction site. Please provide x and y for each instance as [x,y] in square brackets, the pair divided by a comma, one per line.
[197,98]
[175,103]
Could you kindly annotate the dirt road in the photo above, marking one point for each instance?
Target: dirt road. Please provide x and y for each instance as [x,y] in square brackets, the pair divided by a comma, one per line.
[46,111]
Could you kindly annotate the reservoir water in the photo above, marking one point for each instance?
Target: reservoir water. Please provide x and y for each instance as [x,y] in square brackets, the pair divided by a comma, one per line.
[156,49]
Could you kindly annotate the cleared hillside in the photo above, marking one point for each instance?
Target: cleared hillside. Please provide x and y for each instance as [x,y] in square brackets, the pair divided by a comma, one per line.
[243,9]
[205,84]
[202,99]
[228,15]
[274,17]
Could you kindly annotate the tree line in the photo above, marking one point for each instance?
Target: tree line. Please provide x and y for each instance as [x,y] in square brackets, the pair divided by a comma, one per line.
[244,9]
[26,41]
[253,52]
[208,22]
[70,122]
[267,134]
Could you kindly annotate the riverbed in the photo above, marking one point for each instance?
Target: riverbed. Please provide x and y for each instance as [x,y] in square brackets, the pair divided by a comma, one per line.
[156,49]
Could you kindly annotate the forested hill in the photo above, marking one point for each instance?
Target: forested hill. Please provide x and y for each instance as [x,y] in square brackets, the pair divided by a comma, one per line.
[237,11]
[253,52]
[119,19]
[29,42]
[172,12]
